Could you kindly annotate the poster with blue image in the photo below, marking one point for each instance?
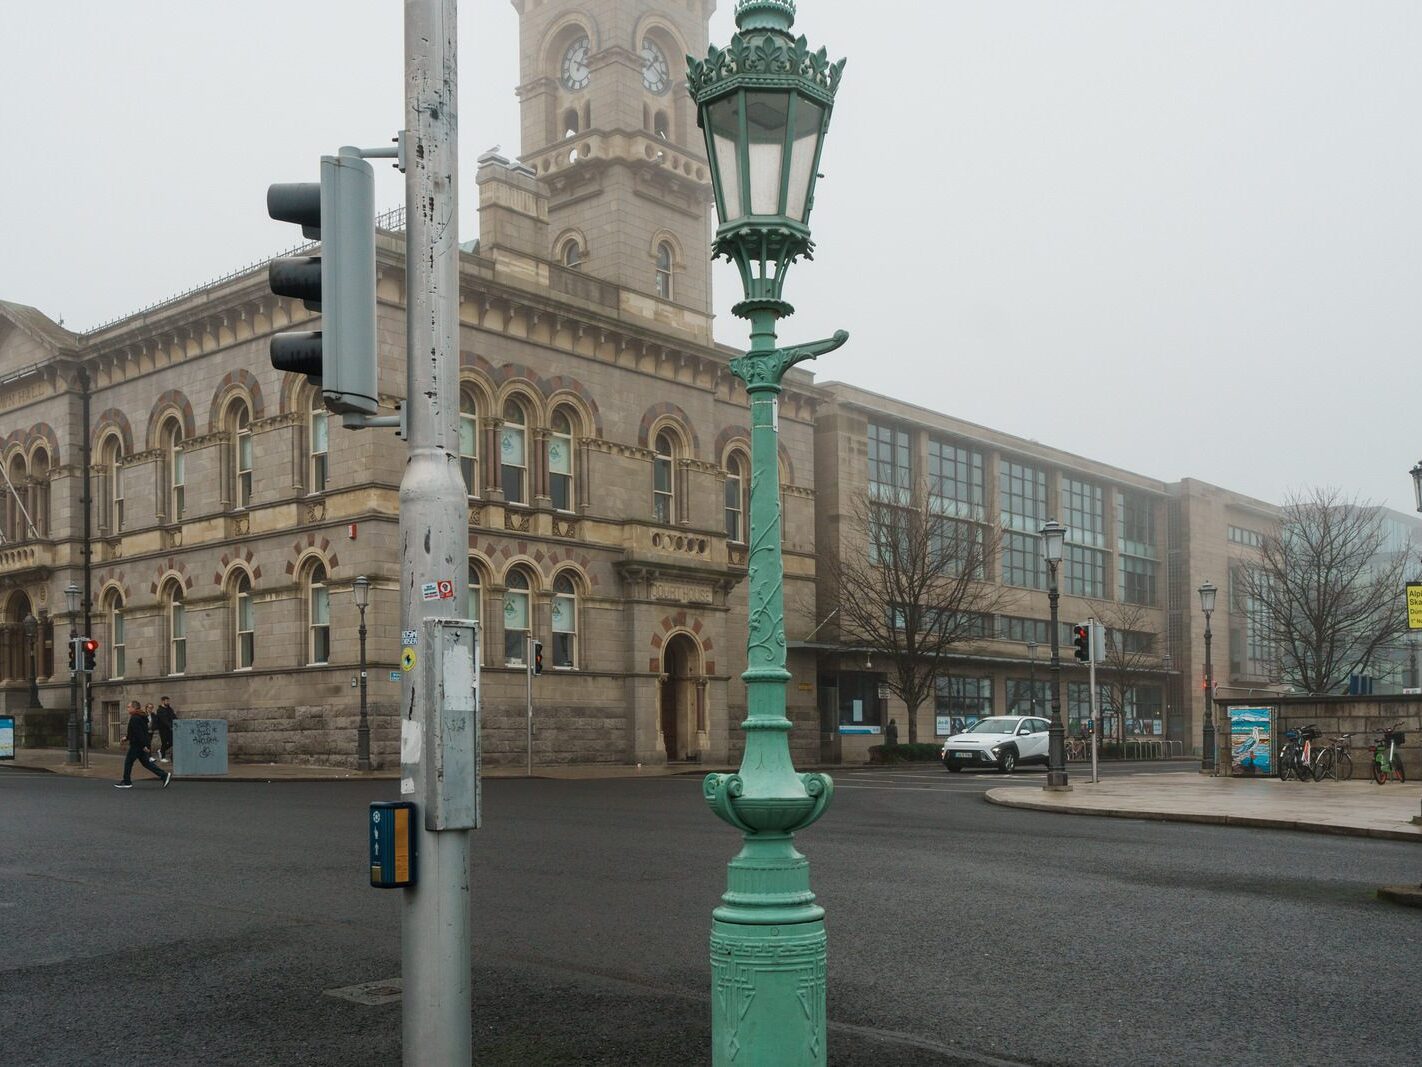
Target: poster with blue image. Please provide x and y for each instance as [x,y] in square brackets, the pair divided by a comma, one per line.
[1251,741]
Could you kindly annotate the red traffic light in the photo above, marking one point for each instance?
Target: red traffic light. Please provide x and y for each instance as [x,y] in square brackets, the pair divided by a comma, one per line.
[90,647]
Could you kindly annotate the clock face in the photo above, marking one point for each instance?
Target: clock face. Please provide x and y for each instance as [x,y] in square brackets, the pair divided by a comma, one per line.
[656,72]
[575,65]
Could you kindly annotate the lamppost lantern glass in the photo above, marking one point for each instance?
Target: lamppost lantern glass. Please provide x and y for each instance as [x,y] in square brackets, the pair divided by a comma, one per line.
[1417,484]
[30,625]
[764,105]
[71,598]
[1053,536]
[362,592]
[1207,598]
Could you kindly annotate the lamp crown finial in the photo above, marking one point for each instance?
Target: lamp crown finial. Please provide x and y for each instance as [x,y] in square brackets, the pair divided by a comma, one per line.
[765,15]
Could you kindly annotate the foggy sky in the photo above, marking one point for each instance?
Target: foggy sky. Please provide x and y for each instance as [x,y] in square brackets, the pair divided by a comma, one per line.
[1181,237]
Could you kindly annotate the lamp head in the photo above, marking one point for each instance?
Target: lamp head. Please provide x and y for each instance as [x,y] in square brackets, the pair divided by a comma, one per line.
[361,588]
[1417,484]
[1053,535]
[1207,598]
[71,597]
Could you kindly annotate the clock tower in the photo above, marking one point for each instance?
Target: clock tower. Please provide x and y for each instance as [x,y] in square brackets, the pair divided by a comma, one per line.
[610,131]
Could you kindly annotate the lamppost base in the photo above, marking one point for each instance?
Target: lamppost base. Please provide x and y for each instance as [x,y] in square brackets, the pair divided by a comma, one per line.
[768,994]
[1057,782]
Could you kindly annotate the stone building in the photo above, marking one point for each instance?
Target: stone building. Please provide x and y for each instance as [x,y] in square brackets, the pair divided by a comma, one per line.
[603,440]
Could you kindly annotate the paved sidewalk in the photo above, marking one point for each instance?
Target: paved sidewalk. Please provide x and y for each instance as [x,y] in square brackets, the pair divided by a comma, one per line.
[109,766]
[1360,808]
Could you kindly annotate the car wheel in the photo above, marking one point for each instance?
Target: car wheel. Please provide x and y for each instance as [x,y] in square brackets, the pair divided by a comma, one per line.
[1007,762]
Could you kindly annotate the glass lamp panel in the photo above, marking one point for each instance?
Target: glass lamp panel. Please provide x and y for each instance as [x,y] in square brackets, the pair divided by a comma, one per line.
[724,126]
[767,116]
[804,150]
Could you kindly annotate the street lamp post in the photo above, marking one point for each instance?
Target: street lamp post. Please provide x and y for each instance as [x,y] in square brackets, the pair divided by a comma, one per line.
[764,103]
[1417,484]
[1032,675]
[1208,760]
[71,603]
[30,625]
[1053,534]
[362,601]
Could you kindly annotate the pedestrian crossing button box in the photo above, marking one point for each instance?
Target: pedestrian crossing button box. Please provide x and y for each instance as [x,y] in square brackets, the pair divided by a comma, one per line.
[392,845]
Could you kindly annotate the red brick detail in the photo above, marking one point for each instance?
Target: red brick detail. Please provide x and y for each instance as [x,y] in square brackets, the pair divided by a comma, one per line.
[654,665]
[710,666]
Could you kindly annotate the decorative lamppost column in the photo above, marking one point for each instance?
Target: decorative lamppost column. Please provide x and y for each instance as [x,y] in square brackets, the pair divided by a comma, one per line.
[1053,534]
[30,625]
[71,602]
[361,591]
[764,103]
[1208,748]
[1032,675]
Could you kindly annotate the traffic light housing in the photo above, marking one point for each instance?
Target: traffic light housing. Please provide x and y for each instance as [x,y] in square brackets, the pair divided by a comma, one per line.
[73,654]
[339,283]
[90,649]
[1081,639]
[538,657]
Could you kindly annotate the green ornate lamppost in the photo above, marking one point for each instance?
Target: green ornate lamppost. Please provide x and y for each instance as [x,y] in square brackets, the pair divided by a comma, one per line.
[764,103]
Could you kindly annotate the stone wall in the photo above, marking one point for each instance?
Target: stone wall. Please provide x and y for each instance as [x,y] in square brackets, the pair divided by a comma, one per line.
[1363,717]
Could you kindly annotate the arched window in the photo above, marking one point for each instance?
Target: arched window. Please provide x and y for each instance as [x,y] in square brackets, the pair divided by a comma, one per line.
[177,623]
[570,123]
[476,598]
[39,491]
[244,650]
[565,622]
[177,468]
[241,428]
[517,619]
[316,438]
[572,254]
[111,484]
[665,262]
[661,127]
[560,461]
[469,442]
[116,636]
[318,617]
[664,479]
[737,486]
[16,528]
[513,454]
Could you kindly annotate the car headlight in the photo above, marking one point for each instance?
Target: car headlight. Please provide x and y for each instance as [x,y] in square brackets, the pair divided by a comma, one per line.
[994,751]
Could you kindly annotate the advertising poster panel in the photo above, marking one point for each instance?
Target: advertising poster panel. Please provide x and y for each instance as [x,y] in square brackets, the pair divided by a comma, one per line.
[1251,741]
[7,737]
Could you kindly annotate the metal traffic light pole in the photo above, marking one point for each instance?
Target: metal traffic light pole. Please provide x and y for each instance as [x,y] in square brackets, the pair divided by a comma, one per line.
[434,540]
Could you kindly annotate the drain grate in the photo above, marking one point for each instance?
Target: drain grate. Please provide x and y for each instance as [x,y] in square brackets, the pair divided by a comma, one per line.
[369,993]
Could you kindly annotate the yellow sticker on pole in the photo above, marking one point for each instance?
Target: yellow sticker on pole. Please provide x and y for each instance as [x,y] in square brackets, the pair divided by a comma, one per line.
[407,660]
[1414,605]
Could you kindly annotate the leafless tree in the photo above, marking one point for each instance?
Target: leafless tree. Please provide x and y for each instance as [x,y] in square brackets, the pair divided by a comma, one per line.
[910,586]
[1132,653]
[1327,594]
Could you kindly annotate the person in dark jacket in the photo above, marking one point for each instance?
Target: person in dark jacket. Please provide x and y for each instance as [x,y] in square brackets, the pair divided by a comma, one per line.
[139,739]
[163,718]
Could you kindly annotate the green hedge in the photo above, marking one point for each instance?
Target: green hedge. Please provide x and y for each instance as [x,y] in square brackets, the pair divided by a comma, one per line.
[904,753]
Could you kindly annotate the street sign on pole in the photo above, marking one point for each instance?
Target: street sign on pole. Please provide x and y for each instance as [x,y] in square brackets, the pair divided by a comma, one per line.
[1414,605]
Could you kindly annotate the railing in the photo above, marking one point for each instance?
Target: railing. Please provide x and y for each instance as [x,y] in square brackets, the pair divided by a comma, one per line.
[392,221]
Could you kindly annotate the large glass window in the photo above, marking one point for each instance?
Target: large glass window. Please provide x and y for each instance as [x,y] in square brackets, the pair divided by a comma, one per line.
[517,619]
[1028,631]
[736,487]
[317,433]
[469,443]
[1085,572]
[663,467]
[1022,562]
[665,266]
[1023,490]
[117,646]
[243,626]
[961,702]
[890,465]
[177,470]
[513,454]
[1136,544]
[959,544]
[111,453]
[1084,506]
[177,631]
[1026,696]
[318,601]
[1138,584]
[955,480]
[565,622]
[1079,707]
[560,461]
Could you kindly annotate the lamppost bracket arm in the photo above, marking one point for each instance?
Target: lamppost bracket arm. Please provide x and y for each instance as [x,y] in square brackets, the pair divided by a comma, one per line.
[765,369]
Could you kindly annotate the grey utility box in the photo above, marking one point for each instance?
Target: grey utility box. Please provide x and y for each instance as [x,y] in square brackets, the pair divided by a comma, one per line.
[199,747]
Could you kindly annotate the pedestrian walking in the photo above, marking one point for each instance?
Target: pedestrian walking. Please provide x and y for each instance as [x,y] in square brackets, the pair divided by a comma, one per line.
[148,710]
[164,717]
[139,738]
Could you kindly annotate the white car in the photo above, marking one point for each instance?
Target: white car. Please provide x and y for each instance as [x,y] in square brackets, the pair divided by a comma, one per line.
[1003,742]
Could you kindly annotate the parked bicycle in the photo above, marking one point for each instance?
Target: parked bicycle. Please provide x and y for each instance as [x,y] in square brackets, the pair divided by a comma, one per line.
[1077,749]
[1296,757]
[1334,761]
[1387,761]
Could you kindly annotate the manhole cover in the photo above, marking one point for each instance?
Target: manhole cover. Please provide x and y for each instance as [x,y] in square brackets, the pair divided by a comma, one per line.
[386,992]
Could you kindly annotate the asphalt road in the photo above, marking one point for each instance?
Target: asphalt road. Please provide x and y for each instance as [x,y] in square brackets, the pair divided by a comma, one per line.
[203,924]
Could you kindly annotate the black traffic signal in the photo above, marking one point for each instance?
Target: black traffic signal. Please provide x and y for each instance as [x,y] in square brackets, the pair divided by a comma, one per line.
[91,651]
[73,653]
[339,283]
[538,657]
[1081,638]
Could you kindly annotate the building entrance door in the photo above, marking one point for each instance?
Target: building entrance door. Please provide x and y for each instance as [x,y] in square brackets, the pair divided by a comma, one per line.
[682,730]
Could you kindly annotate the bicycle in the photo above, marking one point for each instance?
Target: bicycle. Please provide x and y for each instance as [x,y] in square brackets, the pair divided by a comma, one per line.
[1076,749]
[1386,761]
[1334,761]
[1296,758]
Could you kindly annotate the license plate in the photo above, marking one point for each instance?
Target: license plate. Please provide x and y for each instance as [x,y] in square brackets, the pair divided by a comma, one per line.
[962,755]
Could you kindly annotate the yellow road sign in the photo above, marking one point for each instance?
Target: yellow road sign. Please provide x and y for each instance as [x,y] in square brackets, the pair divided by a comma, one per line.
[1414,605]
